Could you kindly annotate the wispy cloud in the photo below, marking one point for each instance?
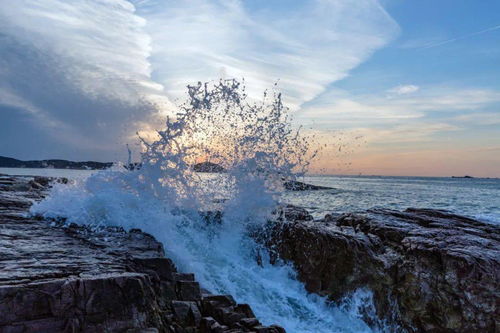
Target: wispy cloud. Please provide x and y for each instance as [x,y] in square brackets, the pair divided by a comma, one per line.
[403,89]
[451,40]
[306,45]
[339,108]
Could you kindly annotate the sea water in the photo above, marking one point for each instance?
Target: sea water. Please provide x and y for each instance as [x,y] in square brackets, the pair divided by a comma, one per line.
[478,198]
[473,197]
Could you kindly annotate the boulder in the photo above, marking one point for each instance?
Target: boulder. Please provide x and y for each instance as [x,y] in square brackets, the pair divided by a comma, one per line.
[430,270]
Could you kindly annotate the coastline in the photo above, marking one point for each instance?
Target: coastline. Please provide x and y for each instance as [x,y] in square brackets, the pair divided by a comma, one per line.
[57,277]
[395,254]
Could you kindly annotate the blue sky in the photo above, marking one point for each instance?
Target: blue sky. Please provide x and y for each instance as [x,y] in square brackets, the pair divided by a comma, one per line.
[410,87]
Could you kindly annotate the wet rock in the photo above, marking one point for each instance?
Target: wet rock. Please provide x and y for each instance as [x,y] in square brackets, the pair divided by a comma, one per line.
[433,271]
[249,322]
[292,213]
[59,277]
[186,313]
[164,267]
[188,290]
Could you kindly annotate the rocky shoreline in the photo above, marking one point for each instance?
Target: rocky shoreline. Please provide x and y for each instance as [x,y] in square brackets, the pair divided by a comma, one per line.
[429,270]
[74,279]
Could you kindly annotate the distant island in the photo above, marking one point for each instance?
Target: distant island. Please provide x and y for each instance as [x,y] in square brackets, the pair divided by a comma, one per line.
[7,162]
[462,176]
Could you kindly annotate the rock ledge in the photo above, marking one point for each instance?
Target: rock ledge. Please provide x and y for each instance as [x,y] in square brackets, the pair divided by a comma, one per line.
[58,279]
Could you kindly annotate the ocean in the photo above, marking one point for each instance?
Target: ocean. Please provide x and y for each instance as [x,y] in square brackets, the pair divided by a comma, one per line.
[473,197]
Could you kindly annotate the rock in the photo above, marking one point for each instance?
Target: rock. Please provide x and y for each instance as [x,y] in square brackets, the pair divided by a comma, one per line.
[164,267]
[188,290]
[441,270]
[208,324]
[245,309]
[58,277]
[187,313]
[208,167]
[292,213]
[293,185]
[249,322]
[278,329]
[183,276]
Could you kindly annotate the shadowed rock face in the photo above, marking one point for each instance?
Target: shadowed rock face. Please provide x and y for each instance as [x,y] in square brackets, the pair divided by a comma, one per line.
[432,271]
[56,278]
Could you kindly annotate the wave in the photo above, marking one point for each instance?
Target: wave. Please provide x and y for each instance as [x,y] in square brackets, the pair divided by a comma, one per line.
[257,145]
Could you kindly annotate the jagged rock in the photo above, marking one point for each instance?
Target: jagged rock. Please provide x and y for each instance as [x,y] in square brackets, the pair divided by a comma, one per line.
[442,271]
[57,277]
[188,290]
[249,322]
[292,213]
[187,313]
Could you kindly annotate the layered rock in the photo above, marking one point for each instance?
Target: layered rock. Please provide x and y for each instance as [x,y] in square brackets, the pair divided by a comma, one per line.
[56,278]
[430,270]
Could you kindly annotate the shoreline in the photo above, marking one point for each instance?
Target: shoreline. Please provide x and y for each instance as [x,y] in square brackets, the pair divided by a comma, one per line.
[394,253]
[103,280]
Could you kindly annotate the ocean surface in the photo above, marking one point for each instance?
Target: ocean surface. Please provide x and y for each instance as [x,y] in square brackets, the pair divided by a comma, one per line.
[473,197]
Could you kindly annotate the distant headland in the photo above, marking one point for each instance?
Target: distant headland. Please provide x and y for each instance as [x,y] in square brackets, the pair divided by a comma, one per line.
[8,162]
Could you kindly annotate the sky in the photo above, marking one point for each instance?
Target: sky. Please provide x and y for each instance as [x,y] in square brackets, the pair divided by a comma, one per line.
[394,87]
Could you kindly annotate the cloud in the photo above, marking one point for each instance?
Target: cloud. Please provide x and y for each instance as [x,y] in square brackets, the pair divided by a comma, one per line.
[76,74]
[306,45]
[451,40]
[85,75]
[480,118]
[404,89]
[441,39]
[340,109]
[405,133]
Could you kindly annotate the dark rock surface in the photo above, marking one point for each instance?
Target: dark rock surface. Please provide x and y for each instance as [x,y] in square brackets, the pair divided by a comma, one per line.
[208,167]
[431,270]
[56,278]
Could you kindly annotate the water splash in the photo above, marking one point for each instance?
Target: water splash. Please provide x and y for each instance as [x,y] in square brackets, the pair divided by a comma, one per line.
[255,142]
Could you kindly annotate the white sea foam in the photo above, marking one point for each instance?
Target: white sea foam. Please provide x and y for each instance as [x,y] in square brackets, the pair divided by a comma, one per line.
[164,198]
